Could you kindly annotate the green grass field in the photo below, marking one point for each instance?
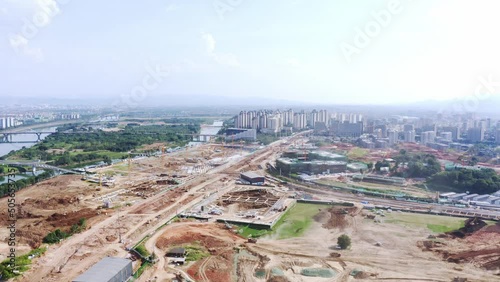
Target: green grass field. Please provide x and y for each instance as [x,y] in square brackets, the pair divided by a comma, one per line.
[249,232]
[294,223]
[122,167]
[195,252]
[111,155]
[297,220]
[357,153]
[435,223]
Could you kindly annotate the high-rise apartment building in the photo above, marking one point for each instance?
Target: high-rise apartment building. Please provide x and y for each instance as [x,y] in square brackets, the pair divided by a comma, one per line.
[448,136]
[409,127]
[475,134]
[393,137]
[427,137]
[410,136]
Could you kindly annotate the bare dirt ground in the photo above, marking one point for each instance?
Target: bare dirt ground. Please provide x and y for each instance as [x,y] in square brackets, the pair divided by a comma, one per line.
[380,251]
[141,205]
[62,201]
[212,238]
[51,204]
[475,244]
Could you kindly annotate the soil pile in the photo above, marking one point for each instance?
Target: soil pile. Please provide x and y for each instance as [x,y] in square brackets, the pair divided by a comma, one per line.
[52,203]
[67,219]
[214,239]
[471,225]
[474,243]
[322,217]
[338,217]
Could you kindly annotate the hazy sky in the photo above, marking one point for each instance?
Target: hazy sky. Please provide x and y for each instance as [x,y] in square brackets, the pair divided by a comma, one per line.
[352,51]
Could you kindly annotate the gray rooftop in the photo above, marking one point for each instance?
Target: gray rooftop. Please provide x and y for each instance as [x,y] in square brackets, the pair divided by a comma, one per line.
[179,251]
[251,174]
[104,270]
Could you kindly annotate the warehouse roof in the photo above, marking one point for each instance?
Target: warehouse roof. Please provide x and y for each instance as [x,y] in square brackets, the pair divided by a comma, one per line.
[104,270]
[251,174]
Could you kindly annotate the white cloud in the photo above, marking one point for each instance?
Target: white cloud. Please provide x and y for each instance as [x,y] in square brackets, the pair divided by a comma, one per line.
[226,59]
[21,46]
[209,42]
[292,62]
[47,9]
[39,12]
[171,8]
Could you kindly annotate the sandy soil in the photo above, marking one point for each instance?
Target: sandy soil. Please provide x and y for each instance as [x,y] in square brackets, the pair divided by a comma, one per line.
[383,250]
[55,203]
[214,239]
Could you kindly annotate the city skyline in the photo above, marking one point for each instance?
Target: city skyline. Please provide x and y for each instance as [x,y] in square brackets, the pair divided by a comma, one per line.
[410,51]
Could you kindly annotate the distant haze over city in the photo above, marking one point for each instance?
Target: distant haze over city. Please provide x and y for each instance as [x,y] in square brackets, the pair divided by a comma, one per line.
[487,107]
[332,52]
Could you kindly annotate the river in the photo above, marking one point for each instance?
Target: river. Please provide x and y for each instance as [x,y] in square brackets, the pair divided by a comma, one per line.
[5,148]
[19,176]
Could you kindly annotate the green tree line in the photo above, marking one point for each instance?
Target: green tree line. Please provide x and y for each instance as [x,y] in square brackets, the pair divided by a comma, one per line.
[22,183]
[58,234]
[482,181]
[126,140]
[415,166]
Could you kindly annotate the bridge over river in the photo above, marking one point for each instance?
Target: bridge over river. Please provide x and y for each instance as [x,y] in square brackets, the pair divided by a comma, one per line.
[7,136]
[36,164]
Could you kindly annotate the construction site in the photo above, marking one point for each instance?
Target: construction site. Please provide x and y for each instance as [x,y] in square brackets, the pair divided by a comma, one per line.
[259,206]
[382,249]
[145,192]
[196,199]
